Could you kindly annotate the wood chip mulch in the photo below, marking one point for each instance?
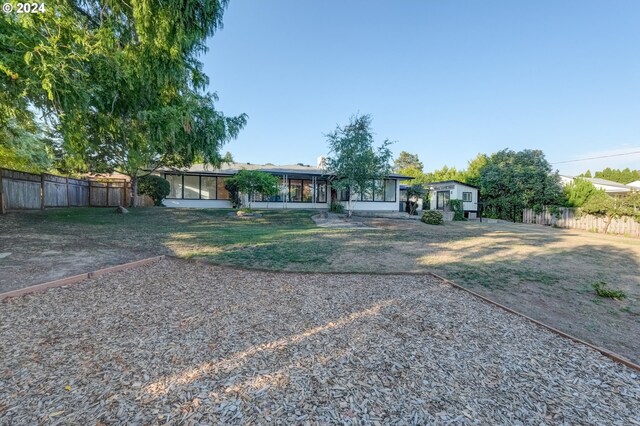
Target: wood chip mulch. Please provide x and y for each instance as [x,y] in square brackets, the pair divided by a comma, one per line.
[183,343]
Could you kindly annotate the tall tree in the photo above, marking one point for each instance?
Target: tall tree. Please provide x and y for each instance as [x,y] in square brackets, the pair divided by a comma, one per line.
[512,181]
[407,160]
[354,160]
[578,192]
[474,169]
[121,81]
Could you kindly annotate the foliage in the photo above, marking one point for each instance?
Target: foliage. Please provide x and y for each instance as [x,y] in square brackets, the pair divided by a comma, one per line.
[621,176]
[254,182]
[234,192]
[474,169]
[23,150]
[602,205]
[155,187]
[458,209]
[432,217]
[121,82]
[586,174]
[336,207]
[445,173]
[602,291]
[512,181]
[353,158]
[578,192]
[406,161]
[414,193]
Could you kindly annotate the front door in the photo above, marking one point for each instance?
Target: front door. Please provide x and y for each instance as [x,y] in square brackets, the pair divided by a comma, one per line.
[442,199]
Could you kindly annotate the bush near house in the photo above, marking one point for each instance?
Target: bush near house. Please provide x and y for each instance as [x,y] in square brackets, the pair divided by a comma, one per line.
[432,217]
[458,210]
[155,187]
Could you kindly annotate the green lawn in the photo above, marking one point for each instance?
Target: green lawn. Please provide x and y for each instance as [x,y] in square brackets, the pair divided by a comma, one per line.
[543,272]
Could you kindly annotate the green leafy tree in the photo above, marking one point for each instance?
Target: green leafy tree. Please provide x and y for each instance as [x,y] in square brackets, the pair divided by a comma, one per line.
[407,160]
[513,181]
[414,193]
[586,174]
[121,81]
[254,182]
[602,205]
[155,187]
[354,160]
[621,176]
[474,169]
[445,173]
[578,192]
[23,150]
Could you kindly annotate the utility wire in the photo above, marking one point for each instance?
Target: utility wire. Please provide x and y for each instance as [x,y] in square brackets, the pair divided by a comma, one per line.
[595,158]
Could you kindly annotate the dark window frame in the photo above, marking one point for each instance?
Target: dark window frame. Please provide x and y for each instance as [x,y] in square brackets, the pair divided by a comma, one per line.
[200,176]
[470,200]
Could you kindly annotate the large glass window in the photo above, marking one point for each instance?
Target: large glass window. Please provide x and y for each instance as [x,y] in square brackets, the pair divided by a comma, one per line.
[191,187]
[223,194]
[367,194]
[321,194]
[344,195]
[208,187]
[378,190]
[175,184]
[307,191]
[295,190]
[390,190]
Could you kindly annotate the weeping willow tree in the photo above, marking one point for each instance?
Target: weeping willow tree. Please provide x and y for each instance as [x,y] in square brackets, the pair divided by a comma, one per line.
[120,81]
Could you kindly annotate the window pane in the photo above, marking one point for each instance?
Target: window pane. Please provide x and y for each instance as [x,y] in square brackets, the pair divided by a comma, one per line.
[175,183]
[295,190]
[378,190]
[466,196]
[390,190]
[368,192]
[208,188]
[223,194]
[344,195]
[307,191]
[192,187]
[322,193]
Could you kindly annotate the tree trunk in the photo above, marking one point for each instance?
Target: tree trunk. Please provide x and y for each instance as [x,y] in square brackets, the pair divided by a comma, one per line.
[134,191]
[608,222]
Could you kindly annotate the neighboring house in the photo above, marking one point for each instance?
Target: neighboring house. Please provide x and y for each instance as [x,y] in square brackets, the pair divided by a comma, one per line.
[609,186]
[301,186]
[635,185]
[442,192]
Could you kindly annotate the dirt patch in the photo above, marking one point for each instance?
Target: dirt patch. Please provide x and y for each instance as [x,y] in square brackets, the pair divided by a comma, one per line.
[332,220]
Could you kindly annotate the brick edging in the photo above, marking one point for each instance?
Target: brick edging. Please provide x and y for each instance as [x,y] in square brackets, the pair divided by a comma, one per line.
[77,278]
[608,354]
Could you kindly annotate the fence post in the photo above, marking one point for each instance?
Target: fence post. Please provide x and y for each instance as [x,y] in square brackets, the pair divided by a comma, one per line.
[2,209]
[67,182]
[42,195]
[107,194]
[89,202]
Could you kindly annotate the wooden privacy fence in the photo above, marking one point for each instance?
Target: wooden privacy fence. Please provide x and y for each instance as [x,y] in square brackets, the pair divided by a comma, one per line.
[24,191]
[570,218]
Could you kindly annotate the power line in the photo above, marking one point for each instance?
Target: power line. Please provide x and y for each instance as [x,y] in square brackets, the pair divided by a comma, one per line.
[595,158]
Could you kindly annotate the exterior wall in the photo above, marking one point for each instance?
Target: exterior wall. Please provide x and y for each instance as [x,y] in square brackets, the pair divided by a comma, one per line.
[373,206]
[289,205]
[456,194]
[197,204]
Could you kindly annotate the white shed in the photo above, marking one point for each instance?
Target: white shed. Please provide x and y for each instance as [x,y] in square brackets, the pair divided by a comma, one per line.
[442,192]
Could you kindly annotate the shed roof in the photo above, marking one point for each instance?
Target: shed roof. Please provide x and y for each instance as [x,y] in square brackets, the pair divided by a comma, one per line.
[452,181]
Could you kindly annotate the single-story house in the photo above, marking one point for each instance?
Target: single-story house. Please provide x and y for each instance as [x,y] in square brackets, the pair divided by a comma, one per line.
[301,186]
[442,192]
[610,187]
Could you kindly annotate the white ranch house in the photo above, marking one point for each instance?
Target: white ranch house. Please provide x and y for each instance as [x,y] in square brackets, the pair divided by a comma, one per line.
[610,187]
[301,187]
[442,192]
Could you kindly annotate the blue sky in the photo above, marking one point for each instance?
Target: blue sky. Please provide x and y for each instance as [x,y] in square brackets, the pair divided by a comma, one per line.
[445,79]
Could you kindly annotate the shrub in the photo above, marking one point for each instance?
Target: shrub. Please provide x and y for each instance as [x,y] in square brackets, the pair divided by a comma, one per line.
[432,217]
[606,292]
[155,187]
[458,209]
[336,207]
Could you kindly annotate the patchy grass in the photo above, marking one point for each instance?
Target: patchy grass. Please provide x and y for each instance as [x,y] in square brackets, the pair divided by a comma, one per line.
[540,271]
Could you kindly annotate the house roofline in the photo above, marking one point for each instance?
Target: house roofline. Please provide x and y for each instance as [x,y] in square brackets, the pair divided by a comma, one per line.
[453,181]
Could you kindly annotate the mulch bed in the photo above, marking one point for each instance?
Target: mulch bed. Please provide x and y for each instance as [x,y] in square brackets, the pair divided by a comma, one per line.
[181,342]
